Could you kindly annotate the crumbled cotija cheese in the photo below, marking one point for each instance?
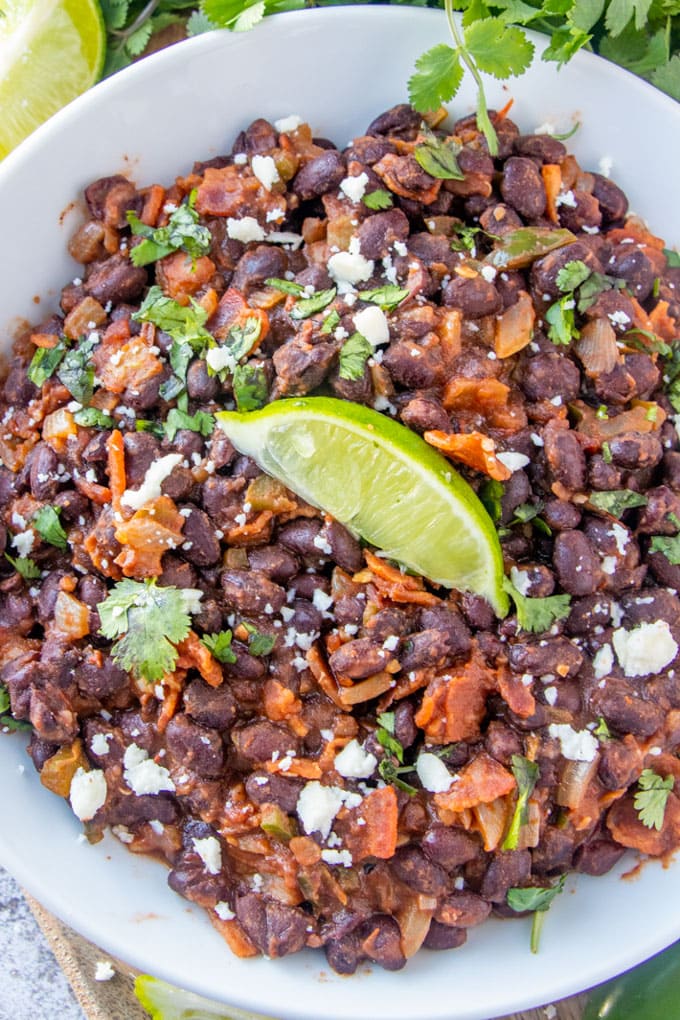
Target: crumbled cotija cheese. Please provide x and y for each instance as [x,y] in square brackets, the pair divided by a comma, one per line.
[576,745]
[353,762]
[87,793]
[433,773]
[646,649]
[142,774]
[150,488]
[210,852]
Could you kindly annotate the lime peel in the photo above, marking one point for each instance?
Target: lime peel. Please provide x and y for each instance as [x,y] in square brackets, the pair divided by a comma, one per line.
[50,52]
[163,1001]
[383,482]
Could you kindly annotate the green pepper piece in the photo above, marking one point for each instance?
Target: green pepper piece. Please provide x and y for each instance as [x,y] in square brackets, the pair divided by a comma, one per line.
[648,992]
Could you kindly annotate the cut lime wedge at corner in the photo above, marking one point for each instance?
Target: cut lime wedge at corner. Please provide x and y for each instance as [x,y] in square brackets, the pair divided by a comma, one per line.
[50,52]
[383,482]
[165,1002]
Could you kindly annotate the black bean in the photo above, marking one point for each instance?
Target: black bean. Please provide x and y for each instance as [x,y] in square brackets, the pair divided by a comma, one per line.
[105,680]
[543,147]
[475,296]
[413,366]
[632,265]
[499,219]
[52,715]
[272,788]
[249,591]
[598,856]
[400,121]
[18,389]
[619,764]
[613,202]
[423,413]
[258,264]
[345,549]
[522,187]
[382,942]
[576,563]
[587,613]
[321,174]
[561,515]
[546,376]
[259,137]
[378,233]
[359,658]
[200,385]
[507,870]
[201,545]
[411,866]
[214,707]
[44,480]
[279,564]
[502,742]
[584,213]
[450,848]
[199,748]
[301,366]
[116,280]
[258,741]
[544,271]
[656,518]
[444,936]
[547,655]
[636,449]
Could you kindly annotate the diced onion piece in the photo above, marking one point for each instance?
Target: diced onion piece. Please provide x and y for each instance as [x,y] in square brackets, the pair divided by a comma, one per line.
[58,426]
[574,782]
[596,347]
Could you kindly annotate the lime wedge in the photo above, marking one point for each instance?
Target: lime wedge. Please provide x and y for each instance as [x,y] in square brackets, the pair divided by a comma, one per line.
[165,1002]
[50,52]
[383,482]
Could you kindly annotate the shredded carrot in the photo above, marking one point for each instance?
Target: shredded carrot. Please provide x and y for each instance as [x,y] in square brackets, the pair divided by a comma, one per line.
[169,706]
[324,677]
[487,397]
[305,768]
[99,494]
[306,852]
[517,697]
[116,468]
[254,532]
[192,652]
[147,535]
[393,170]
[233,311]
[117,332]
[377,836]
[453,707]
[481,781]
[368,689]
[154,197]
[663,324]
[48,340]
[279,701]
[472,448]
[504,111]
[235,937]
[552,180]
[134,365]
[71,618]
[181,277]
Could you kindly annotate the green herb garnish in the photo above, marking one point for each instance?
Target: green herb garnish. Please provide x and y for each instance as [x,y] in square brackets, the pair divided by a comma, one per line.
[307,307]
[651,798]
[378,199]
[526,774]
[354,354]
[25,566]
[46,522]
[182,233]
[538,899]
[220,645]
[45,362]
[537,615]
[387,297]
[147,622]
[616,502]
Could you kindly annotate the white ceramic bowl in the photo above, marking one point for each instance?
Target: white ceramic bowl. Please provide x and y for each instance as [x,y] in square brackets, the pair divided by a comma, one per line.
[338,68]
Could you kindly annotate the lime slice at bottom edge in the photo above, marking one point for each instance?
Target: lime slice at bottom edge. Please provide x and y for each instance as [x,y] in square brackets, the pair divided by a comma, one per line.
[50,52]
[166,1002]
[383,482]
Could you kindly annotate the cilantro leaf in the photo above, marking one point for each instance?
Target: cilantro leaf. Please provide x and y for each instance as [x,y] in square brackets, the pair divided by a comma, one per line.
[76,371]
[499,49]
[538,899]
[250,16]
[667,77]
[259,643]
[354,354]
[669,546]
[572,275]
[602,731]
[526,774]
[537,615]
[46,522]
[439,158]
[45,362]
[220,645]
[519,248]
[534,897]
[562,321]
[672,258]
[316,303]
[378,199]
[92,417]
[387,297]
[25,566]
[330,322]
[651,798]
[616,502]
[437,78]
[198,23]
[177,419]
[183,324]
[182,233]
[250,387]
[386,738]
[147,622]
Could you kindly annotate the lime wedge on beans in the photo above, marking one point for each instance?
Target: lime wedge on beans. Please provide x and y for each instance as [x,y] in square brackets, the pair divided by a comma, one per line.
[50,52]
[383,482]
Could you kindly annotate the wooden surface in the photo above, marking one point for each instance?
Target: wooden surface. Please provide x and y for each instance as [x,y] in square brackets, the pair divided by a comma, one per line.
[115,1000]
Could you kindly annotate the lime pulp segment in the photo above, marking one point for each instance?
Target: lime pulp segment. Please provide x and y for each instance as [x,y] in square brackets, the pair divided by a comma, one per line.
[383,482]
[50,52]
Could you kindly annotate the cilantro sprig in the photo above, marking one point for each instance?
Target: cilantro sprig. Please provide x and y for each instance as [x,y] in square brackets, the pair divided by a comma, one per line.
[353,356]
[146,623]
[651,798]
[46,522]
[537,615]
[182,233]
[536,898]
